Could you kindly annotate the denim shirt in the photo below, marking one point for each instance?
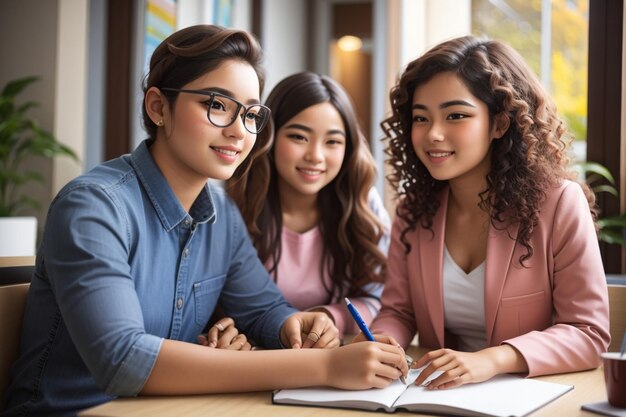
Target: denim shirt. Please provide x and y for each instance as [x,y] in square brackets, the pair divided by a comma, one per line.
[121,267]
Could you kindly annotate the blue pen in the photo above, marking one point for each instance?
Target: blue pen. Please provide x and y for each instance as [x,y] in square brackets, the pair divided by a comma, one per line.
[623,347]
[359,320]
[368,335]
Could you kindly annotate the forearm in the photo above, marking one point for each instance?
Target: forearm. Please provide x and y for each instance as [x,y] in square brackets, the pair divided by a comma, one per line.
[184,368]
[507,359]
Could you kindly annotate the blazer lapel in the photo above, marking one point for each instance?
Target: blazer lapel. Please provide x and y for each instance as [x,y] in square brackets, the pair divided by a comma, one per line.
[500,248]
[431,264]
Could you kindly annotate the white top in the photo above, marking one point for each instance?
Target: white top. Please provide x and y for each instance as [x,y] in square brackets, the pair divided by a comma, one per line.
[464,307]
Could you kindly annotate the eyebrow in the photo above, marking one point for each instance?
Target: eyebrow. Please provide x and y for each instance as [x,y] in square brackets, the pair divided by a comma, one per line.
[309,130]
[227,93]
[446,104]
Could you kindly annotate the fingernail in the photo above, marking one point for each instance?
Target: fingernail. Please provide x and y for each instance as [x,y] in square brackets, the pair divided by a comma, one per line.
[219,327]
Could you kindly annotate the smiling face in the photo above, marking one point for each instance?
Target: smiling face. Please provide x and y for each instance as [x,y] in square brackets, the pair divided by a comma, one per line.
[309,151]
[450,130]
[190,147]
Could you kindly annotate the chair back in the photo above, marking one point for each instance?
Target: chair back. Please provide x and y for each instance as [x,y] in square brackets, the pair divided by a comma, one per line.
[12,304]
[617,315]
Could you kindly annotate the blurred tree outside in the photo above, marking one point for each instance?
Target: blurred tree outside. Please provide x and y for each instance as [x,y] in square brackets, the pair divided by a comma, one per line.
[518,23]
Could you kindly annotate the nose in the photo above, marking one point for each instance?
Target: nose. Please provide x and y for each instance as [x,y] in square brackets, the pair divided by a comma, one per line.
[314,153]
[435,132]
[236,130]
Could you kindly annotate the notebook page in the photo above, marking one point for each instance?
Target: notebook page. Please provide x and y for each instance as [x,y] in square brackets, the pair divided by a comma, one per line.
[321,395]
[503,395]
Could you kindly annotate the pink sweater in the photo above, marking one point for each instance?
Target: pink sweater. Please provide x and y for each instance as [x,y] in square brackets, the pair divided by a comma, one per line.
[303,284]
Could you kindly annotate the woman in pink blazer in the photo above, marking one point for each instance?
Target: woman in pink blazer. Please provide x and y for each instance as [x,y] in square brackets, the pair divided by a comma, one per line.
[494,259]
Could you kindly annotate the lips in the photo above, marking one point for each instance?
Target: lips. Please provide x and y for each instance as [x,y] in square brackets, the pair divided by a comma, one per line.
[310,171]
[439,154]
[228,152]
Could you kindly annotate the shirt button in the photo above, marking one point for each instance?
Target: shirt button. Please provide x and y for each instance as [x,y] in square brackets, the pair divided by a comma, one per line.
[186,222]
[186,252]
[179,303]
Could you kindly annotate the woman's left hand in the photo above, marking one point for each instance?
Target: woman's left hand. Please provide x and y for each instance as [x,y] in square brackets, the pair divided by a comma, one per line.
[309,330]
[458,368]
[224,335]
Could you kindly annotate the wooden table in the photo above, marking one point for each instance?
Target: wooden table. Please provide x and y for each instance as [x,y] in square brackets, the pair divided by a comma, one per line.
[588,387]
[11,261]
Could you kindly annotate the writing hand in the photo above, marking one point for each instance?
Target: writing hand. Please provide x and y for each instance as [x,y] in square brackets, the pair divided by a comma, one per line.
[390,341]
[309,330]
[365,365]
[224,335]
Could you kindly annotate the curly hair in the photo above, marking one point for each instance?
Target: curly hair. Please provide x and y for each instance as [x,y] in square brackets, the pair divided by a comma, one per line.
[349,229]
[529,160]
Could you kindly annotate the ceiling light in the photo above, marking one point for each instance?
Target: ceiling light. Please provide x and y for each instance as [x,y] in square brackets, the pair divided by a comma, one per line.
[349,43]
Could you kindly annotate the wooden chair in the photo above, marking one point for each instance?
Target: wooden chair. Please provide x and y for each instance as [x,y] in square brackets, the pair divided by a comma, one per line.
[617,315]
[12,304]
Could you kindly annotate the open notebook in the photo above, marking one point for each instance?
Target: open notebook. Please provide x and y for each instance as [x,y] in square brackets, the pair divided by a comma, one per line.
[503,396]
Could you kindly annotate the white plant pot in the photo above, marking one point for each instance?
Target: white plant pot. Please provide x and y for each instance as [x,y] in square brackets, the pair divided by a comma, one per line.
[18,236]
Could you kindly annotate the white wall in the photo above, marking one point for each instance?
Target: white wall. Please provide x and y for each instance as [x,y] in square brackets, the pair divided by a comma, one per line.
[195,12]
[283,40]
[425,23]
[96,88]
[70,115]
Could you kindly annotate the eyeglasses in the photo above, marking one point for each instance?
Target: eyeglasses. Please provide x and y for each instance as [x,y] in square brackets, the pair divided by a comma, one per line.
[222,111]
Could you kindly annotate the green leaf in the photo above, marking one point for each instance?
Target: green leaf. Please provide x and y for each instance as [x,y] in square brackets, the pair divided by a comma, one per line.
[596,168]
[611,236]
[605,188]
[615,221]
[20,138]
[15,87]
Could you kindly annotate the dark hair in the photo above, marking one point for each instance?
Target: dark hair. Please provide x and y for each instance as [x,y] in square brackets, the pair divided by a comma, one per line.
[526,162]
[349,228]
[192,52]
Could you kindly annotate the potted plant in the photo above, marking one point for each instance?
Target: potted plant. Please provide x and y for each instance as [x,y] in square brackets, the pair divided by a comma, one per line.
[611,229]
[20,138]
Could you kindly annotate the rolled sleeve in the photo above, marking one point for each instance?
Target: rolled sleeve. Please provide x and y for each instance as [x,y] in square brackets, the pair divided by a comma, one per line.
[134,371]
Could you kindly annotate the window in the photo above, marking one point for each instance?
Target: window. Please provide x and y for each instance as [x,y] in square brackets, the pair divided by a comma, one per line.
[553,37]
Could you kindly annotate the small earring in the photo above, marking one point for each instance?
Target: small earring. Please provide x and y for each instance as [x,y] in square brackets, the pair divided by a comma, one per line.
[159,123]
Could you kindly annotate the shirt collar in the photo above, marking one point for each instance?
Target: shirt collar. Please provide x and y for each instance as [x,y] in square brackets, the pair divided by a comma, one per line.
[162,197]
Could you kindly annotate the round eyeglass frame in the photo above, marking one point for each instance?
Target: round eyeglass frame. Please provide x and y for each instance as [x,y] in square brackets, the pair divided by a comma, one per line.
[213,94]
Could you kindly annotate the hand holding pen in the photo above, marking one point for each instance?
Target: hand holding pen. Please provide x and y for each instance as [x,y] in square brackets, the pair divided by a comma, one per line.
[368,335]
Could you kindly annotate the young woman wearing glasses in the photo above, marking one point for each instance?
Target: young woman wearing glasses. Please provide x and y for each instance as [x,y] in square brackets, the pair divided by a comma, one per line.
[318,225]
[136,253]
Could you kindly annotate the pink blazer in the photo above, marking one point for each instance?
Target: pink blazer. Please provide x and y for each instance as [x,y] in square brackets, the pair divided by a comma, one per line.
[554,311]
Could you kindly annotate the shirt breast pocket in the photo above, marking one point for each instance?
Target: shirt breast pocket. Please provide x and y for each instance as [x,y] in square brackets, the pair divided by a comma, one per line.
[527,312]
[206,293]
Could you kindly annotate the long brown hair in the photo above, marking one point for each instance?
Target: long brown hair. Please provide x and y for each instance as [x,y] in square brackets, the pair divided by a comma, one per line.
[526,162]
[349,229]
